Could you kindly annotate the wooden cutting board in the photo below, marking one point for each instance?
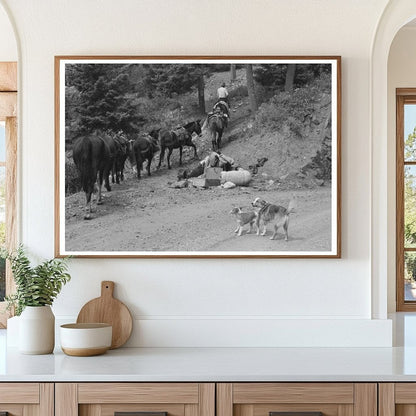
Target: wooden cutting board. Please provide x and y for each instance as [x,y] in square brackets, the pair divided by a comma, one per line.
[108,310]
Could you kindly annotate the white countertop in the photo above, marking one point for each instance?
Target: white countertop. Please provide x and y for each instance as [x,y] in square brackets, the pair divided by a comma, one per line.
[221,364]
[215,364]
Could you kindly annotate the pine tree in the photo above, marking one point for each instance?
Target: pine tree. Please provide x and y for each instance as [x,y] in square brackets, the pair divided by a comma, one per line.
[290,77]
[168,79]
[250,88]
[286,77]
[101,100]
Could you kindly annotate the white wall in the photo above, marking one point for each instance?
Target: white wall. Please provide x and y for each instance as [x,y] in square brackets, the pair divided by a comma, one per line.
[212,302]
[401,74]
[8,46]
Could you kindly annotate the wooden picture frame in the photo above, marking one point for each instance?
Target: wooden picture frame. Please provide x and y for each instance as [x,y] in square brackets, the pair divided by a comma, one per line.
[281,146]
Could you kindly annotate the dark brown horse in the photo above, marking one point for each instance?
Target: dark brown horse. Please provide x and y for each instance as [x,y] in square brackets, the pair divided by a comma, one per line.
[93,157]
[223,106]
[154,133]
[144,148]
[216,124]
[123,149]
[176,139]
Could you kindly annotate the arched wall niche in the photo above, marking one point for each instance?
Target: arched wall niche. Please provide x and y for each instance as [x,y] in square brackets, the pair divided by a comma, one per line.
[396,15]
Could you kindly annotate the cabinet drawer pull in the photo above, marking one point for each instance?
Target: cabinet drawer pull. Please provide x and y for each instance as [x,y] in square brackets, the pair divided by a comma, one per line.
[139,414]
[295,413]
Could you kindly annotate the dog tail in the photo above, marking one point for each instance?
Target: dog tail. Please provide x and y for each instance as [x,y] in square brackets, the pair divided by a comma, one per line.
[292,206]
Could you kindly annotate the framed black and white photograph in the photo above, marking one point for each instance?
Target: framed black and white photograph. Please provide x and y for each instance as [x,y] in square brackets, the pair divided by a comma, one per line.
[198,156]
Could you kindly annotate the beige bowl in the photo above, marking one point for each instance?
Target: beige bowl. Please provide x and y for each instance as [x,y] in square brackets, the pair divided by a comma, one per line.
[83,340]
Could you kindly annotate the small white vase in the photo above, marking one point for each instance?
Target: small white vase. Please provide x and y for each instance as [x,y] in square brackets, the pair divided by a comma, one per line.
[37,330]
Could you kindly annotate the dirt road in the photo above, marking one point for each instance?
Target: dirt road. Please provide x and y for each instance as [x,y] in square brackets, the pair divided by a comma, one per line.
[148,215]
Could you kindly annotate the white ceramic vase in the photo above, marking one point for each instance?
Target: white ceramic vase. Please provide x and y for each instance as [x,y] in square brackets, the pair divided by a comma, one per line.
[37,330]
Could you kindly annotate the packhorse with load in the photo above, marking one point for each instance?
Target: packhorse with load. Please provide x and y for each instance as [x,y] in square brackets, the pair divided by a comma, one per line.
[217,122]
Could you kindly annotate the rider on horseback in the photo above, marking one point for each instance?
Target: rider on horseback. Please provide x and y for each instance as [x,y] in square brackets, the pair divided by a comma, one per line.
[222,93]
[222,106]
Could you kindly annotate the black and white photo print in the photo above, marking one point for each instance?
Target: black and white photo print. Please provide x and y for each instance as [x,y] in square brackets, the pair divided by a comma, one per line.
[198,156]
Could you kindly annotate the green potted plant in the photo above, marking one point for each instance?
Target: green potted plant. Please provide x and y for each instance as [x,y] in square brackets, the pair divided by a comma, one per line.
[36,289]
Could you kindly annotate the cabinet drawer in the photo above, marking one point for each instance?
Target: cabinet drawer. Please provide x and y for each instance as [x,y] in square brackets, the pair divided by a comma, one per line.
[146,399]
[19,393]
[138,393]
[21,399]
[296,399]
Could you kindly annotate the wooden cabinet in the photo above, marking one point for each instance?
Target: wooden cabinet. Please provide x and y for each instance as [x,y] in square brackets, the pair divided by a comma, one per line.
[107,399]
[27,399]
[264,399]
[397,399]
[208,399]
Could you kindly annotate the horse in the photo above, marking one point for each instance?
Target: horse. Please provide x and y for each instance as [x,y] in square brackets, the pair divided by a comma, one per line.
[123,148]
[216,124]
[93,157]
[144,147]
[154,133]
[223,106]
[176,139]
[108,137]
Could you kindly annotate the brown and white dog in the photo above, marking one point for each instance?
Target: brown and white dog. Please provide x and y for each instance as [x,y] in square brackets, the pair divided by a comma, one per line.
[275,214]
[243,218]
